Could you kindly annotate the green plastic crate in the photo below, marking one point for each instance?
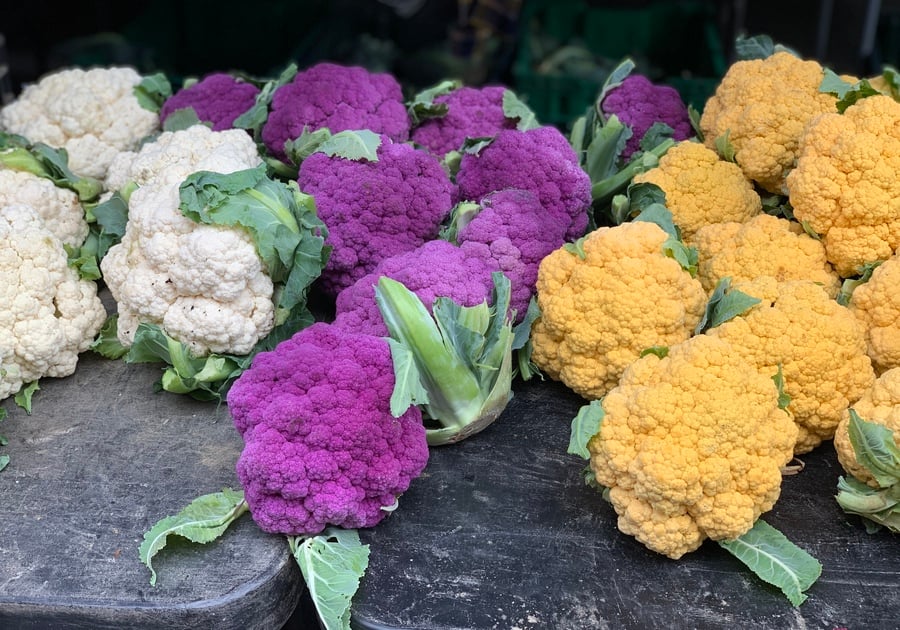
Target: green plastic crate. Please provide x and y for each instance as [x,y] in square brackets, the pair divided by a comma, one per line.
[676,43]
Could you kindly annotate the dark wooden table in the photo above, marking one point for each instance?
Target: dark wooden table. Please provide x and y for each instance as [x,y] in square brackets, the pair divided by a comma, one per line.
[502,533]
[99,461]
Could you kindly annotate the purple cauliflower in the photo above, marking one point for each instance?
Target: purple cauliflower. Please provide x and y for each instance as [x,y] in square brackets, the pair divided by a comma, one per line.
[514,229]
[435,269]
[471,113]
[338,98]
[374,210]
[320,444]
[539,160]
[218,98]
[639,103]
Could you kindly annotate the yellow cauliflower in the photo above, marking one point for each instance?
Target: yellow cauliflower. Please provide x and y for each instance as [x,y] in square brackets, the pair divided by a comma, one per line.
[817,342]
[764,104]
[701,188]
[876,303]
[763,246]
[600,311]
[691,446]
[880,404]
[845,184]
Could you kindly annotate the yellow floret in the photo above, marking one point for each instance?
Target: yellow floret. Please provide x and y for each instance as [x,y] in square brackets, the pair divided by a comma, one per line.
[876,304]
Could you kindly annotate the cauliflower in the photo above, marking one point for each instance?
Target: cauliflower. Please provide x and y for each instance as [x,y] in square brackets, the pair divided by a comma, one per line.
[217,98]
[321,446]
[818,344]
[375,209]
[876,304]
[338,98]
[880,403]
[204,284]
[93,114]
[845,184]
[639,103]
[702,189]
[763,105]
[600,310]
[762,246]
[539,160]
[691,446]
[50,315]
[434,269]
[472,112]
[59,208]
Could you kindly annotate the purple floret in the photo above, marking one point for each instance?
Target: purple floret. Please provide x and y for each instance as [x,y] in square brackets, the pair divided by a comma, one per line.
[375,210]
[539,160]
[338,98]
[471,113]
[321,446]
[435,269]
[639,103]
[217,98]
[515,230]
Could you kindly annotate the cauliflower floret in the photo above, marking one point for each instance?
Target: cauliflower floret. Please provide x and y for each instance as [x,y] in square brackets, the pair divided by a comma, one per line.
[876,304]
[691,446]
[92,114]
[50,315]
[59,208]
[599,312]
[218,98]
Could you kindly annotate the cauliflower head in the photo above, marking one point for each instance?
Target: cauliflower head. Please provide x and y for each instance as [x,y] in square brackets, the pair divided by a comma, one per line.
[321,446]
[205,285]
[762,246]
[59,208]
[691,446]
[50,315]
[880,403]
[765,104]
[701,188]
[818,344]
[876,304]
[600,311]
[845,184]
[218,98]
[91,113]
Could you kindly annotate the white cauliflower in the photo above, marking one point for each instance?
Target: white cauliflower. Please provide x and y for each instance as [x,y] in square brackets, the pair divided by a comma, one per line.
[93,114]
[50,315]
[205,285]
[59,207]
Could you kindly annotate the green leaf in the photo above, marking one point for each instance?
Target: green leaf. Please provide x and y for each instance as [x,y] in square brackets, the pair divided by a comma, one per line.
[25,394]
[879,507]
[585,425]
[776,560]
[660,215]
[422,105]
[847,93]
[875,449]
[833,84]
[655,135]
[603,190]
[4,461]
[687,257]
[724,304]
[515,108]
[17,153]
[255,117]
[460,216]
[408,389]
[203,520]
[153,91]
[848,286]
[474,146]
[694,116]
[182,119]
[658,351]
[724,147]
[306,144]
[784,398]
[352,145]
[607,143]
[333,564]
[756,47]
[576,248]
[614,79]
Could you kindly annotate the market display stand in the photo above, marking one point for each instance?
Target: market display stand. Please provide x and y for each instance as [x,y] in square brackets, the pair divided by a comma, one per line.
[501,532]
[99,461]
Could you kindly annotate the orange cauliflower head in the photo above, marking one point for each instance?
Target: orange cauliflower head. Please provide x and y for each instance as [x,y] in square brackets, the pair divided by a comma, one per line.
[876,304]
[845,184]
[817,342]
[880,404]
[763,246]
[701,188]
[691,446]
[764,104]
[599,311]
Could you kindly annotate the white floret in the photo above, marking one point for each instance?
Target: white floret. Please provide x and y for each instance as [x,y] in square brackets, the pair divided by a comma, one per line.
[93,114]
[59,207]
[51,315]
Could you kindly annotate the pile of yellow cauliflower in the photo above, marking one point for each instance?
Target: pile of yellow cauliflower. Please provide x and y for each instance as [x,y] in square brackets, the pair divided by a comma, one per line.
[696,434]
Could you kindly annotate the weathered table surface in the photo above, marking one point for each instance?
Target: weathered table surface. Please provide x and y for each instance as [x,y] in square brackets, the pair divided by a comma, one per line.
[99,461]
[501,532]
